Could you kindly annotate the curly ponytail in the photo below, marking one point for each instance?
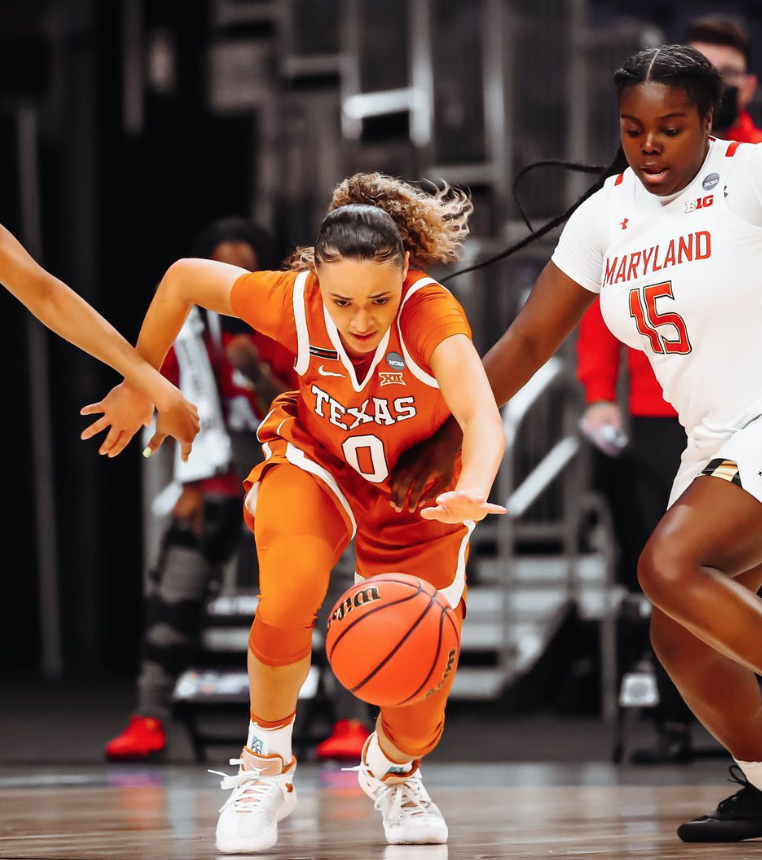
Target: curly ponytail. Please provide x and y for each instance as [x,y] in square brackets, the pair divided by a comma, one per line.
[376,217]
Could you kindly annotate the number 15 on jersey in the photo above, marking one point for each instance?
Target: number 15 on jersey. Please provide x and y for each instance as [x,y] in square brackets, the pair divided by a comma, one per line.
[665,330]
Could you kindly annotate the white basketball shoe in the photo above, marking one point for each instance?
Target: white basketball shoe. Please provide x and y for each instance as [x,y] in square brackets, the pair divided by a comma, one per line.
[263,794]
[409,815]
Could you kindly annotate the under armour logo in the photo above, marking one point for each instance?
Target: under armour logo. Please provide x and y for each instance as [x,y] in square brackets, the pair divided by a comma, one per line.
[623,224]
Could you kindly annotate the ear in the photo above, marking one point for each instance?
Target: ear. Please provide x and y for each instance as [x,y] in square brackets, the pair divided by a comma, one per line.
[405,264]
[708,122]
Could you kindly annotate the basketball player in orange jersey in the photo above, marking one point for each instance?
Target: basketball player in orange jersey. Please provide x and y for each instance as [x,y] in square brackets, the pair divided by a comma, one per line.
[384,356]
[70,316]
[672,242]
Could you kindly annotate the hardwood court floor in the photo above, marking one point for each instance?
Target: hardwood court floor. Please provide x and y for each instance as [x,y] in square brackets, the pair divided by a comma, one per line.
[520,812]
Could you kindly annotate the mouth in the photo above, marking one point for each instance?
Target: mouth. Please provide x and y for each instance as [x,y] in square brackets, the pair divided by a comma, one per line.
[654,174]
[363,338]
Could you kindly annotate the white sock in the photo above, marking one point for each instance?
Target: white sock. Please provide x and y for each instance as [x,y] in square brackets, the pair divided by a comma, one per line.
[378,764]
[262,741]
[752,770]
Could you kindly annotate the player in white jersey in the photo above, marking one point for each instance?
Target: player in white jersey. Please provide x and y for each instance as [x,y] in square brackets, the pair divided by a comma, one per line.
[673,244]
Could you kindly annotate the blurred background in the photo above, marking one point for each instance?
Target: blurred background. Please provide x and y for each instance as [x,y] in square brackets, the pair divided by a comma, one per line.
[127,126]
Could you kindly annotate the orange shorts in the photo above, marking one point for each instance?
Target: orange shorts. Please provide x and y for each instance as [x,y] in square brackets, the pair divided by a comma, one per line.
[385,541]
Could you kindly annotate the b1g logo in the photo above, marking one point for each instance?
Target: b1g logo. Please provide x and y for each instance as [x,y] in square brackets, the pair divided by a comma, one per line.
[363,596]
[701,203]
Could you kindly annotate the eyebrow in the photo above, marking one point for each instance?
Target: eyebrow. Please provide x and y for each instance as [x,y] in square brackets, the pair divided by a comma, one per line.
[665,116]
[350,299]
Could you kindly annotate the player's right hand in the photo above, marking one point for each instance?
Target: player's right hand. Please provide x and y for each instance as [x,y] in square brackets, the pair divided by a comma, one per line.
[178,418]
[124,410]
[425,470]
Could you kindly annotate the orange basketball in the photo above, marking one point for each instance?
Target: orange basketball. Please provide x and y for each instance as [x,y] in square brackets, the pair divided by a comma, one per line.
[392,639]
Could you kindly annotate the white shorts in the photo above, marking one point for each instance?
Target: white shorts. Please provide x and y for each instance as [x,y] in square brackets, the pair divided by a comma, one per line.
[744,448]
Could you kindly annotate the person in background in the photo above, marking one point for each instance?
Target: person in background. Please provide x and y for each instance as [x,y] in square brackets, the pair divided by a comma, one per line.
[727,47]
[637,466]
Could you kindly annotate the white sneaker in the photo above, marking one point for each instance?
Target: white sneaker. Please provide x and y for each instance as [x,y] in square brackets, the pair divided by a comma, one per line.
[410,817]
[263,794]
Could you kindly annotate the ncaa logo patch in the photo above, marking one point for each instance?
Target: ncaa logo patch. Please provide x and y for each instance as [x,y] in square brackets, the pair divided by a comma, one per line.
[395,361]
[710,181]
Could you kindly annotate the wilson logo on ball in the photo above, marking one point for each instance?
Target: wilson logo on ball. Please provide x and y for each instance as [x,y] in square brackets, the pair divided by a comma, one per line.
[360,598]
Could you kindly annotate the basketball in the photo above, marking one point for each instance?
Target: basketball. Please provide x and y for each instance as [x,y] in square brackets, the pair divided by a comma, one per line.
[392,640]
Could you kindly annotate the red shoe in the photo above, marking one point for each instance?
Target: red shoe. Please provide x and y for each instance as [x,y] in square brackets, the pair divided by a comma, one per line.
[142,738]
[346,741]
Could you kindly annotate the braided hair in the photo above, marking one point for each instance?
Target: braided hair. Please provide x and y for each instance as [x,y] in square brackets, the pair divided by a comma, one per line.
[673,65]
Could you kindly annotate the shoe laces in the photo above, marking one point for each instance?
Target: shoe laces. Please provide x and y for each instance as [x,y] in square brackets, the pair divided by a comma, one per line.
[398,799]
[250,787]
[737,776]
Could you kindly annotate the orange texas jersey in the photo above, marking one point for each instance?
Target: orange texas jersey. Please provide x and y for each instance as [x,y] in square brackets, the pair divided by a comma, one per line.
[353,419]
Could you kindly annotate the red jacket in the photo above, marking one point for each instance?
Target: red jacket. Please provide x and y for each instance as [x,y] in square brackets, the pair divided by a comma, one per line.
[744,131]
[598,351]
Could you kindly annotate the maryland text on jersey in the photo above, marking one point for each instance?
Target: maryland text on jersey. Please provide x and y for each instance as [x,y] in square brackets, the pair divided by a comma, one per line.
[638,264]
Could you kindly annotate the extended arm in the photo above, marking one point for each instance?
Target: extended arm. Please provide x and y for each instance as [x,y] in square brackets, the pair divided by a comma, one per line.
[67,314]
[465,389]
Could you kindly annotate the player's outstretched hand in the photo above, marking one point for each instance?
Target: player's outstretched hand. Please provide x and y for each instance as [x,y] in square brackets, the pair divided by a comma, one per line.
[124,410]
[423,471]
[458,506]
[178,418]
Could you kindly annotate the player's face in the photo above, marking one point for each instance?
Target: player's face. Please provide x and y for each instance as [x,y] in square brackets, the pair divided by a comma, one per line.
[362,298]
[664,139]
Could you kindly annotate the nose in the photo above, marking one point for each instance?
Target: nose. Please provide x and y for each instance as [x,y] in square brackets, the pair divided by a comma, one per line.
[651,145]
[362,323]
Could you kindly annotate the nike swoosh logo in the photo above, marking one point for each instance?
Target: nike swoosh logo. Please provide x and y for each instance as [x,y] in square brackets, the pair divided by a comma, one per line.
[323,372]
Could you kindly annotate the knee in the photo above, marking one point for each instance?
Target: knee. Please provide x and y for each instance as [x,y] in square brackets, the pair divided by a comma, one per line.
[293,581]
[664,571]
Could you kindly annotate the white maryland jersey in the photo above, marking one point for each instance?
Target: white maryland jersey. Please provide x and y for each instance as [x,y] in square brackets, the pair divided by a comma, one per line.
[682,281]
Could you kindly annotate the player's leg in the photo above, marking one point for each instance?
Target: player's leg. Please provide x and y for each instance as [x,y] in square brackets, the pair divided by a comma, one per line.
[300,536]
[712,534]
[390,766]
[702,569]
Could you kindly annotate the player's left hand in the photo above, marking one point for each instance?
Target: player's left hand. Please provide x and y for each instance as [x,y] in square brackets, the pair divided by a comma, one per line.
[124,410]
[457,506]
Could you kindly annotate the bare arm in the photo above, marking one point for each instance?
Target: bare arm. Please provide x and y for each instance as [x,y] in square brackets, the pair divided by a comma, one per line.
[466,391]
[186,283]
[67,314]
[552,311]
